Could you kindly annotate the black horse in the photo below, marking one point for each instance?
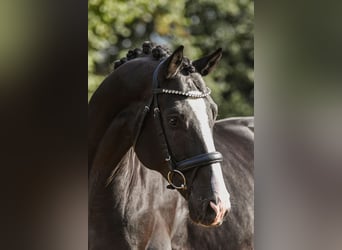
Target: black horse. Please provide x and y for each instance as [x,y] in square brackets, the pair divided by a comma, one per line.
[153,120]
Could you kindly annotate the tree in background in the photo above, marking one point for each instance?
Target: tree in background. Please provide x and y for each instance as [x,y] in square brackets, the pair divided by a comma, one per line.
[201,26]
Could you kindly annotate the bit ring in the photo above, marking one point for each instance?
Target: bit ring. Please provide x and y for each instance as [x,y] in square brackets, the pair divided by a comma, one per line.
[170,176]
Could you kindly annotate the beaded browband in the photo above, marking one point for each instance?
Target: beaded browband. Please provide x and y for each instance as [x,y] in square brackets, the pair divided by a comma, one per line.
[191,94]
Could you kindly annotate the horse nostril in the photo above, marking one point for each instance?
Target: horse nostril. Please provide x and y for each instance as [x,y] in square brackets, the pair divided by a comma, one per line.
[214,207]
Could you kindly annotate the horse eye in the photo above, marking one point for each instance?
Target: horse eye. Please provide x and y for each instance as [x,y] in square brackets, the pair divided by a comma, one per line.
[173,121]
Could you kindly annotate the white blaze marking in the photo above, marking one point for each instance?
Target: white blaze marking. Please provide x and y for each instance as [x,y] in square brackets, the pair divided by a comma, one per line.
[199,109]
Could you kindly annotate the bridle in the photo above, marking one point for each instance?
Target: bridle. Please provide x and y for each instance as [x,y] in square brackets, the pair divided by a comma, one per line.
[176,168]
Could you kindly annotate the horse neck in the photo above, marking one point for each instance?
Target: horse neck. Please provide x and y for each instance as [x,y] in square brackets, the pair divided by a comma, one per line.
[119,185]
[104,217]
[105,213]
[127,177]
[121,92]
[113,115]
[138,192]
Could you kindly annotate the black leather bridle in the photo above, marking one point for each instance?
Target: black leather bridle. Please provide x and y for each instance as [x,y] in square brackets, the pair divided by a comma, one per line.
[176,168]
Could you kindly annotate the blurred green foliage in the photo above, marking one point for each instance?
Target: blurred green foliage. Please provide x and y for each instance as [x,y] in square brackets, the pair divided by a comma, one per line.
[202,26]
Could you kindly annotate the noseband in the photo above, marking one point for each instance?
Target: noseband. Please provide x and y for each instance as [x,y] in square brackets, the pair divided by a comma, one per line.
[176,168]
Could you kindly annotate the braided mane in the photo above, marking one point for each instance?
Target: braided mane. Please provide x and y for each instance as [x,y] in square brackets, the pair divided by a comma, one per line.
[157,52]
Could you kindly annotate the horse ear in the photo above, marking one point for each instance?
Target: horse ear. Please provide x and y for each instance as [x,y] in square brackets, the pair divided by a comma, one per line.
[174,62]
[206,64]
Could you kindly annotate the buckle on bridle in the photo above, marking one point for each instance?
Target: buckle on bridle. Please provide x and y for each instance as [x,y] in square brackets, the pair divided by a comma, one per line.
[156,111]
[170,177]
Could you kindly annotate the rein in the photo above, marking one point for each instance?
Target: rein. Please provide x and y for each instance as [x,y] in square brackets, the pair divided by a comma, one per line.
[176,168]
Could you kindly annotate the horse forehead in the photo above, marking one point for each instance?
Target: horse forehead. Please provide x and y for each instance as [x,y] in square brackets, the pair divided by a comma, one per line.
[192,107]
[198,106]
[193,78]
[185,82]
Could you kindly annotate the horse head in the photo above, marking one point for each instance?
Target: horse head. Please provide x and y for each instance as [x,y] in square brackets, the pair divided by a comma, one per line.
[175,135]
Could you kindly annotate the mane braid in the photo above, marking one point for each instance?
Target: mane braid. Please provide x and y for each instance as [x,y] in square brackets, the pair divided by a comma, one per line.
[147,49]
[157,52]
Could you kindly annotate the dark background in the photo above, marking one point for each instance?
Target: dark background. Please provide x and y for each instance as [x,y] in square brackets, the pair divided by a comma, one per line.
[43,131]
